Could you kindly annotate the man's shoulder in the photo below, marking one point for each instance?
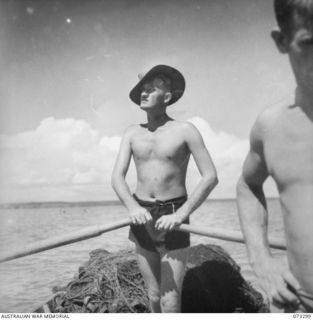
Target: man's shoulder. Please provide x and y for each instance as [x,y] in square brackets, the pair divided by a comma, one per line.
[268,117]
[265,122]
[186,130]
[183,125]
[131,130]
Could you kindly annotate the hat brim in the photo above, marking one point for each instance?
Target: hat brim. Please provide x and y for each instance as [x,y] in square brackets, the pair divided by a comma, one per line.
[177,83]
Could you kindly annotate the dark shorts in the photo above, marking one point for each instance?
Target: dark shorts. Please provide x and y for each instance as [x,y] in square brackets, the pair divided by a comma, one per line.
[147,237]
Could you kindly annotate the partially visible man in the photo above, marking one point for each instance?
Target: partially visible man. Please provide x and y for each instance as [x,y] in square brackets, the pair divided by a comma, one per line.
[161,149]
[281,146]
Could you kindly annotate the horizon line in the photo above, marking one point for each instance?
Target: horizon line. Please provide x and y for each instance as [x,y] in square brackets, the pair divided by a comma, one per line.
[61,203]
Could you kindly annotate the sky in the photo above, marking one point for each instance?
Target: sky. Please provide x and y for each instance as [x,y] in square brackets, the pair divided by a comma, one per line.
[68,66]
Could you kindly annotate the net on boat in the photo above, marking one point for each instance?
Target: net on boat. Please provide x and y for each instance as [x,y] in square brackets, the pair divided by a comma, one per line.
[108,282]
[112,282]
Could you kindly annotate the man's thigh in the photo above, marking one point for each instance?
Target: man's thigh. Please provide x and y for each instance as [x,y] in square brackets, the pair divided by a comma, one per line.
[173,268]
[150,267]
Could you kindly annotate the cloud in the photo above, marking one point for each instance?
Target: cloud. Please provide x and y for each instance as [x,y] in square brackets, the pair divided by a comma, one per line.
[228,153]
[65,152]
[66,159]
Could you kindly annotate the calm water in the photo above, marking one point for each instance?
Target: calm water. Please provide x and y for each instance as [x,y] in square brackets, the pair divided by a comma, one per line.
[26,283]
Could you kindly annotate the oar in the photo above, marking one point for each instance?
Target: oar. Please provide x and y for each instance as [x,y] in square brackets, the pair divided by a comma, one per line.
[39,246]
[228,235]
[96,231]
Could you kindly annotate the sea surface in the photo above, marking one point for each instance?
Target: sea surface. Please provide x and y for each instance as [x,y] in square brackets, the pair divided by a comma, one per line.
[27,283]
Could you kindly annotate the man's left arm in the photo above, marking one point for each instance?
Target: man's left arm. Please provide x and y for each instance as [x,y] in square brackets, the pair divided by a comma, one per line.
[206,184]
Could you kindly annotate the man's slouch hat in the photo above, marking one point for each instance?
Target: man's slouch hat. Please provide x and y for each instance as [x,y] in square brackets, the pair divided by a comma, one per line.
[177,83]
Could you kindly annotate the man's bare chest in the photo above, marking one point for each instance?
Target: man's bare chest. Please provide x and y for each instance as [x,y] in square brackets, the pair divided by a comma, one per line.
[159,146]
[288,152]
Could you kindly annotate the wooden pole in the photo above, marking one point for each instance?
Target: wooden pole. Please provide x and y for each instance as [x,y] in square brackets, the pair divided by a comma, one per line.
[86,233]
[228,235]
[95,231]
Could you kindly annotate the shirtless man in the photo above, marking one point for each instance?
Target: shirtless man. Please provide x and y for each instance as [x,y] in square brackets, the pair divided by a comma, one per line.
[281,146]
[161,150]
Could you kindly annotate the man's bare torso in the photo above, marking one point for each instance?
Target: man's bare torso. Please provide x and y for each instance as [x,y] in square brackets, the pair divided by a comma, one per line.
[161,158]
[288,152]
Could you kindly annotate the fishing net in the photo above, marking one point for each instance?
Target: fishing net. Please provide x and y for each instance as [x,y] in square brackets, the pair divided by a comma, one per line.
[108,282]
[111,282]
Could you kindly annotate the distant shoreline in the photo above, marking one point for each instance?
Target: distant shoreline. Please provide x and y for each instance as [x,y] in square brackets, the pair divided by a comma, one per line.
[59,204]
[69,204]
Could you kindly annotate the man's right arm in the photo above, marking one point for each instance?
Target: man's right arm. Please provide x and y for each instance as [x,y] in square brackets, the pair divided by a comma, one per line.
[253,216]
[251,199]
[137,214]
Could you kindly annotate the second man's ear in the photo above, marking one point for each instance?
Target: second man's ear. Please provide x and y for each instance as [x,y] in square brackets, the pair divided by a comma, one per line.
[167,97]
[281,40]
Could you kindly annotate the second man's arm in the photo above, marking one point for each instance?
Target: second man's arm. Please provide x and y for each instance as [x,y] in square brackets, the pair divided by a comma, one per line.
[253,214]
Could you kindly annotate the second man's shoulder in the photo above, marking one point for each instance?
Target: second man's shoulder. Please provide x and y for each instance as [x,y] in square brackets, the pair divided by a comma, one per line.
[266,120]
[271,114]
